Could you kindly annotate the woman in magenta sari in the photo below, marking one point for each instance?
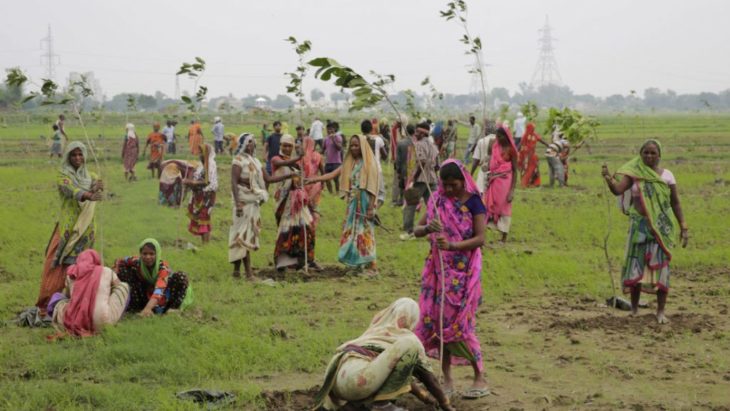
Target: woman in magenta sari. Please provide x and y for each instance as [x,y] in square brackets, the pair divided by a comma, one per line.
[501,187]
[454,223]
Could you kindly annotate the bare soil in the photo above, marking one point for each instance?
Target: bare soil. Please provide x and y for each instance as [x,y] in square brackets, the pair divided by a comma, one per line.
[550,351]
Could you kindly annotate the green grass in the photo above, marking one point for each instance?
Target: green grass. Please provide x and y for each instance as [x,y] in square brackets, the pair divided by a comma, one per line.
[225,341]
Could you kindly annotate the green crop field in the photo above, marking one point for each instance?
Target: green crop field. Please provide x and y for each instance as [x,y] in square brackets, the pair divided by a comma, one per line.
[547,337]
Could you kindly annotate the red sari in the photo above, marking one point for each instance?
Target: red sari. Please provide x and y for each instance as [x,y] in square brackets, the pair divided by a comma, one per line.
[527,162]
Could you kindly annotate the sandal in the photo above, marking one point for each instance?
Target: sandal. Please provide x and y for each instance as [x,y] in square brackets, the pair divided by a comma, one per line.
[475,393]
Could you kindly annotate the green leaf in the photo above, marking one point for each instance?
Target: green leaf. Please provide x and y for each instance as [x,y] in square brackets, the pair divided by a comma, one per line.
[186,99]
[200,60]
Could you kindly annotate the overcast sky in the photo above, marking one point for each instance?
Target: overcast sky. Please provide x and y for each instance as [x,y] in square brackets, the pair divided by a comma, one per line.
[602,47]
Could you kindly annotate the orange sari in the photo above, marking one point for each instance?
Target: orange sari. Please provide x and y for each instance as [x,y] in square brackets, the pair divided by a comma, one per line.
[195,138]
[527,161]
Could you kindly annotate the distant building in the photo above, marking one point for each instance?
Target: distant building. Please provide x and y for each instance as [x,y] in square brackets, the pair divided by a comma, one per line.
[262,103]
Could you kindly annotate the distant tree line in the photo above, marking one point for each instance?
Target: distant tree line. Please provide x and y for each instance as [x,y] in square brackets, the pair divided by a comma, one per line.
[651,99]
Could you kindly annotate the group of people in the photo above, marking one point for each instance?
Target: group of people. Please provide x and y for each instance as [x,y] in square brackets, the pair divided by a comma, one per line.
[77,291]
[82,295]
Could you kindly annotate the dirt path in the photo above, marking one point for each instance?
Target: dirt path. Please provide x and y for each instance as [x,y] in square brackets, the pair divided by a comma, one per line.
[551,352]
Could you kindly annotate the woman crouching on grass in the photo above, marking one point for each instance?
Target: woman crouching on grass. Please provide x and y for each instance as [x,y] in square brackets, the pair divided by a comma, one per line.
[454,222]
[377,367]
[153,288]
[652,229]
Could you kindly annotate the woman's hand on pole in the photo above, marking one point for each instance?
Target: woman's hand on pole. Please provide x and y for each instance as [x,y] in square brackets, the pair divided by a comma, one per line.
[434,226]
[443,243]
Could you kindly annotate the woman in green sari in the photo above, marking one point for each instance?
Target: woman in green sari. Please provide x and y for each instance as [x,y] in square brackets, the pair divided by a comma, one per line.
[652,230]
[79,191]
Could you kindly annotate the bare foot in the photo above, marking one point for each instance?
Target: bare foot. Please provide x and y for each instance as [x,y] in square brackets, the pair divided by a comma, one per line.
[661,318]
[634,313]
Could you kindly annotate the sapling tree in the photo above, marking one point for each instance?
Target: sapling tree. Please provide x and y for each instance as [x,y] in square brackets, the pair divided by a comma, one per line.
[195,72]
[457,10]
[530,110]
[574,126]
[365,93]
[296,78]
[434,94]
[131,106]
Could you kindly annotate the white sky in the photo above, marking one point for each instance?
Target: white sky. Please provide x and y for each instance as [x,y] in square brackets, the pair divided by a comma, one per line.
[603,47]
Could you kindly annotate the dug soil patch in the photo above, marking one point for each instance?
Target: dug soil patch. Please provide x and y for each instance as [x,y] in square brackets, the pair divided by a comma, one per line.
[679,323]
[325,273]
[304,400]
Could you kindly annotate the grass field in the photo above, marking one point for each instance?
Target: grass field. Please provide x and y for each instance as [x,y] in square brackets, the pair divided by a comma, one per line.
[548,340]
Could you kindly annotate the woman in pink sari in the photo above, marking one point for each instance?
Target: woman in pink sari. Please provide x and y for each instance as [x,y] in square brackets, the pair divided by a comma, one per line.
[454,223]
[312,166]
[501,187]
[95,298]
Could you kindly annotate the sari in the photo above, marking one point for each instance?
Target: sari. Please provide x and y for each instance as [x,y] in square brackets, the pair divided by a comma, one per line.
[499,210]
[378,365]
[172,190]
[171,290]
[652,228]
[462,278]
[293,217]
[202,201]
[97,297]
[195,138]
[130,149]
[311,163]
[245,231]
[527,161]
[75,230]
[358,181]
[156,141]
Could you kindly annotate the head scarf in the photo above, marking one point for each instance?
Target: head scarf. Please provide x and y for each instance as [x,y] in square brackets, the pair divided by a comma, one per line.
[288,139]
[243,141]
[398,320]
[469,185]
[368,173]
[150,275]
[80,177]
[130,131]
[509,137]
[86,274]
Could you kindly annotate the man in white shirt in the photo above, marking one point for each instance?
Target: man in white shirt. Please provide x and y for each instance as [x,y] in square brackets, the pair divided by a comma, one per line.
[482,155]
[316,132]
[218,133]
[475,132]
[169,133]
[519,127]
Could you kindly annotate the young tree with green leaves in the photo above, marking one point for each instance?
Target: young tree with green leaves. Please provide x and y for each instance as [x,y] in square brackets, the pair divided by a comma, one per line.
[457,10]
[195,72]
[296,78]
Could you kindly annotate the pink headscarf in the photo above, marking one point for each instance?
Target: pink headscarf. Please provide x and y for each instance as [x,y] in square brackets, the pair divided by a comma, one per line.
[469,184]
[86,273]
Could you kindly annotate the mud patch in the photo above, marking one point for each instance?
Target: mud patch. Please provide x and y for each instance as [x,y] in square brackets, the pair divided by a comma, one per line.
[289,400]
[304,400]
[327,272]
[679,323]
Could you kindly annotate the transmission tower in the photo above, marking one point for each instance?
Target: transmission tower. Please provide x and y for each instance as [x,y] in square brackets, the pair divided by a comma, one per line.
[49,58]
[177,87]
[546,70]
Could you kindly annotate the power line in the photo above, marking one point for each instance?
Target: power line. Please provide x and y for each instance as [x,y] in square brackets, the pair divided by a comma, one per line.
[49,59]
[546,71]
